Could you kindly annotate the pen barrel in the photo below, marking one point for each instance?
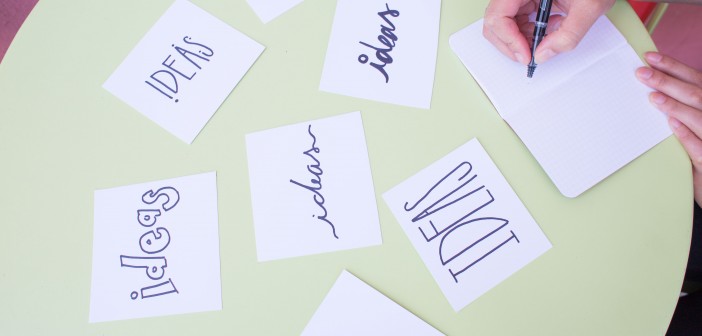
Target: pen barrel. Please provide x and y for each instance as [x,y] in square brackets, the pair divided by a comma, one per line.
[539,33]
[544,11]
[542,15]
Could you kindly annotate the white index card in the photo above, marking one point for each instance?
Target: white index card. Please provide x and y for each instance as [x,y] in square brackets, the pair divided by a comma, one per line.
[311,188]
[383,51]
[268,10]
[156,249]
[183,69]
[353,308]
[467,224]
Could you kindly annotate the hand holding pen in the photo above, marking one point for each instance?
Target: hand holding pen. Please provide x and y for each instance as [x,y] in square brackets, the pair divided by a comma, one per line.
[507,26]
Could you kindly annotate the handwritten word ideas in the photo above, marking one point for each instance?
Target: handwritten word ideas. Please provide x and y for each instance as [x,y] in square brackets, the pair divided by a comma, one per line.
[167,79]
[387,38]
[183,69]
[311,188]
[383,51]
[154,241]
[469,227]
[156,249]
[316,183]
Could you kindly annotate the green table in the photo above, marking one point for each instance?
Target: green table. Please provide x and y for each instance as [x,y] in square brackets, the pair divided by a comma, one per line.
[619,250]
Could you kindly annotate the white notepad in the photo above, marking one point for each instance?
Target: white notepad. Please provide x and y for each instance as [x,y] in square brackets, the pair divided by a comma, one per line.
[583,116]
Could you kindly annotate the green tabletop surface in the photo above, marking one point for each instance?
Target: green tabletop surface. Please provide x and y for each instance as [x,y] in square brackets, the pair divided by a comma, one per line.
[619,250]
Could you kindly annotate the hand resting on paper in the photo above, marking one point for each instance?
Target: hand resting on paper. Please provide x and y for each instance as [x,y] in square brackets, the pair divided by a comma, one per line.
[678,95]
[507,26]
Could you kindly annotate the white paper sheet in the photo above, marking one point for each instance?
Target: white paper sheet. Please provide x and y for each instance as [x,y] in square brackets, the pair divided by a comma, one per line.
[353,308]
[583,116]
[156,249]
[311,188]
[383,51]
[268,10]
[183,69]
[467,224]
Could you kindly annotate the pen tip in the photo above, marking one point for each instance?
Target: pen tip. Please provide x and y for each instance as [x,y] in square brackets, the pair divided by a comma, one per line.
[530,71]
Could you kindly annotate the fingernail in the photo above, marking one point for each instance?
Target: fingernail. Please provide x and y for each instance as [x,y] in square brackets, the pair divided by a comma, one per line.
[644,73]
[520,58]
[674,123]
[658,98]
[653,57]
[545,55]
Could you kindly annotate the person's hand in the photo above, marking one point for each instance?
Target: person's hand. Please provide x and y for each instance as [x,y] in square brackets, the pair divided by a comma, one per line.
[678,95]
[507,26]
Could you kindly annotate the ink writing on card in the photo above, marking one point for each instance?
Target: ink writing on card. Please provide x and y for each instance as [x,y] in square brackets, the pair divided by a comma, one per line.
[455,210]
[315,183]
[182,64]
[153,241]
[387,39]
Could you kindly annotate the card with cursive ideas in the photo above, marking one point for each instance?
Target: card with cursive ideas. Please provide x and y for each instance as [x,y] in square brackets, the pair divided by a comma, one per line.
[383,51]
[311,188]
[268,10]
[156,249]
[183,69]
[469,227]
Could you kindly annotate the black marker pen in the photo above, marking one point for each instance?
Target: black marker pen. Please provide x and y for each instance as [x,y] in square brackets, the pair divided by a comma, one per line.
[539,31]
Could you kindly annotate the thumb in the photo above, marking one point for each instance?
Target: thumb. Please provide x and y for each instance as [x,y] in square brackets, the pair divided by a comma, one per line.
[560,41]
[566,37]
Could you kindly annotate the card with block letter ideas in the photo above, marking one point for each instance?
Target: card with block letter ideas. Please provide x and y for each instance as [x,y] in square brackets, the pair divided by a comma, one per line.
[156,249]
[383,51]
[183,69]
[469,227]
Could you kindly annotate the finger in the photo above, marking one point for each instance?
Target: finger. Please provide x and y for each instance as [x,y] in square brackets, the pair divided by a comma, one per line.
[697,183]
[502,47]
[510,8]
[674,68]
[693,146]
[677,89]
[689,116]
[501,29]
[581,16]
[508,39]
[690,141]
[554,22]
[527,27]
